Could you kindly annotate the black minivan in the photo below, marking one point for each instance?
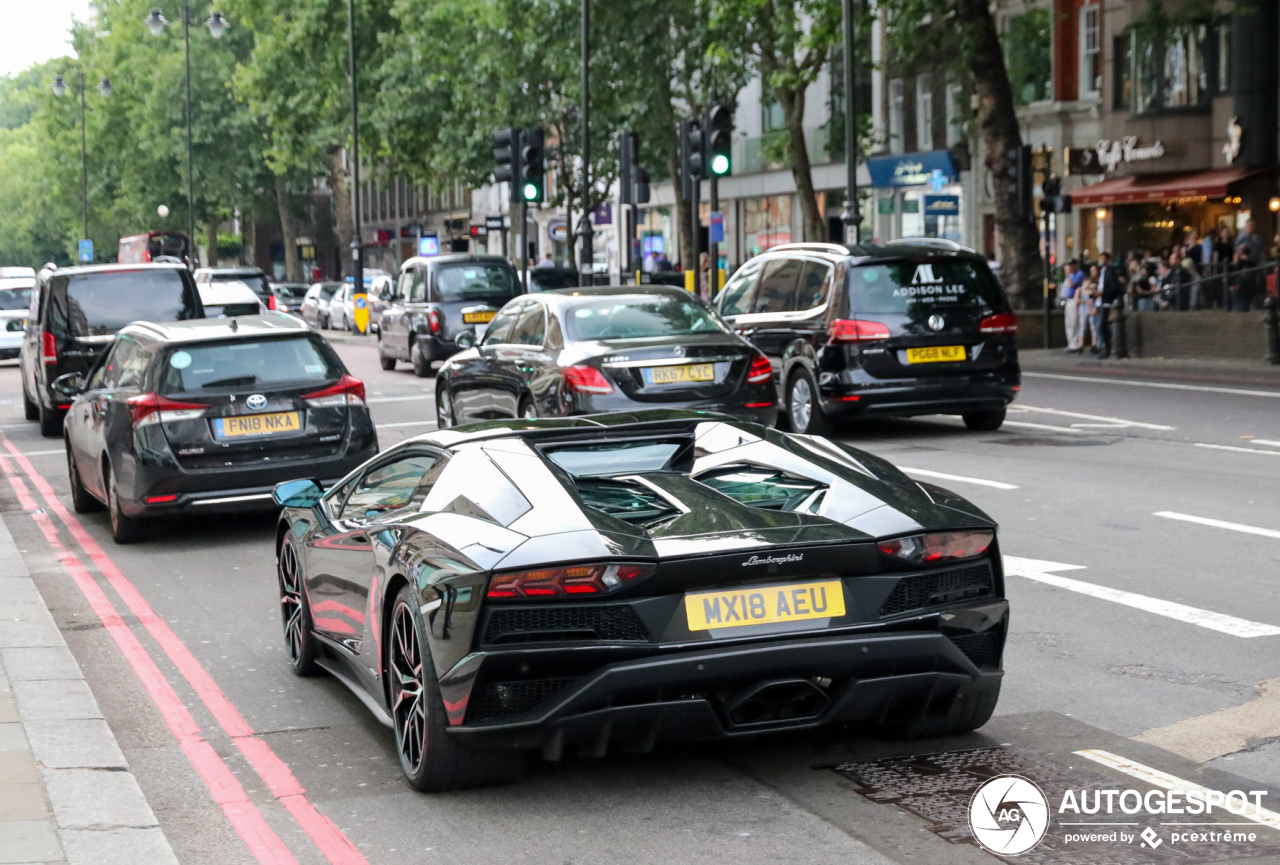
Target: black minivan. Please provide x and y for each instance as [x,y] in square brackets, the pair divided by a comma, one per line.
[911,327]
[437,298]
[77,311]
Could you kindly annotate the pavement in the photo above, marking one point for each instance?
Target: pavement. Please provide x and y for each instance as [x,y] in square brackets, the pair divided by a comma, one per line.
[1138,506]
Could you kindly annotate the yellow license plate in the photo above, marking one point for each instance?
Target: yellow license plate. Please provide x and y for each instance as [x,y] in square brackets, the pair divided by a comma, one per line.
[478,317]
[764,605]
[679,374]
[935,353]
[257,424]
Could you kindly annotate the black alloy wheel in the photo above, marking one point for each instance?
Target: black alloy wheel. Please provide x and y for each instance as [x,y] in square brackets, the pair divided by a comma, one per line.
[804,405]
[124,529]
[421,360]
[431,759]
[300,645]
[388,363]
[984,421]
[528,410]
[82,502]
[446,415]
[50,422]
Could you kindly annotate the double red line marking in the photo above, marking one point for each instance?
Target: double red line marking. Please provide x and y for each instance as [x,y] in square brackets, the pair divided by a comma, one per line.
[244,816]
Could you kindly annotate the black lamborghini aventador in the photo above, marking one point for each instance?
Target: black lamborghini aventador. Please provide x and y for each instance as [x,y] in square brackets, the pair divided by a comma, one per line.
[527,585]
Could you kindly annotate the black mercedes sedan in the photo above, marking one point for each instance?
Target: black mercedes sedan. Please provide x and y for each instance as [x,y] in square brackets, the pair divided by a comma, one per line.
[622,579]
[206,416]
[579,351]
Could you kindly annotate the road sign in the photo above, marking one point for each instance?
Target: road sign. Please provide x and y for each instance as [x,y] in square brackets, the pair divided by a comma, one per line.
[361,303]
[717,227]
[558,230]
[86,250]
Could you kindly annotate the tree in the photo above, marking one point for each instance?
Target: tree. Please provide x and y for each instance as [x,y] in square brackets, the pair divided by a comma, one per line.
[963,33]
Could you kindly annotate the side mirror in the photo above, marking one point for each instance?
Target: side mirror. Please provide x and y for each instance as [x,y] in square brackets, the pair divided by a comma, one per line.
[297,494]
[466,339]
[69,385]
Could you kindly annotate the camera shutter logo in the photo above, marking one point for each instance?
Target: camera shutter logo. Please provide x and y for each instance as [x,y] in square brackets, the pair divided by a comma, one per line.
[1009,815]
[257,402]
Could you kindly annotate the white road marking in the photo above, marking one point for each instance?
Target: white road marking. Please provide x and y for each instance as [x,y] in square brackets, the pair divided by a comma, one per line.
[1029,425]
[1160,384]
[1273,444]
[925,473]
[407,423]
[1039,570]
[1233,448]
[399,398]
[44,453]
[1219,524]
[1156,778]
[1111,420]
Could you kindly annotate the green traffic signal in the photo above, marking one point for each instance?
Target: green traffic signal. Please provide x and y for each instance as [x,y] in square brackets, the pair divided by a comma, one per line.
[531,192]
[719,164]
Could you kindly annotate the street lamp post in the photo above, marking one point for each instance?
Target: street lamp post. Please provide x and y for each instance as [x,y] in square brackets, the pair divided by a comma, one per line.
[357,261]
[156,23]
[588,255]
[852,214]
[60,88]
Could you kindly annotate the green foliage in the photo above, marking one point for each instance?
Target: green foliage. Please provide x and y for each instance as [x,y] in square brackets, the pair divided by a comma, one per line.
[1027,46]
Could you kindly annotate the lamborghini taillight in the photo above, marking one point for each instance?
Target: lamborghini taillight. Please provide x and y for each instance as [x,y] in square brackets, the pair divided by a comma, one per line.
[566,581]
[939,546]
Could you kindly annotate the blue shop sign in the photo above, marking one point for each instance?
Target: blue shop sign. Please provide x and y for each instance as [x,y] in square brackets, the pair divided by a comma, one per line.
[942,205]
[912,169]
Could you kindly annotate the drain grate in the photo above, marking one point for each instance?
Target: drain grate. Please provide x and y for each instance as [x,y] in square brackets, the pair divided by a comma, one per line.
[939,787]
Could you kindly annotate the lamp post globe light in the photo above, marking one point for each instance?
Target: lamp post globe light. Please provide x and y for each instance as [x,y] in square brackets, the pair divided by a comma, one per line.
[59,90]
[163,210]
[217,25]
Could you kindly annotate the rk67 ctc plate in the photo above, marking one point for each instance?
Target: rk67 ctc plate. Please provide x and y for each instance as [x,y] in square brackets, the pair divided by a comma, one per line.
[935,353]
[680,374]
[257,424]
[764,605]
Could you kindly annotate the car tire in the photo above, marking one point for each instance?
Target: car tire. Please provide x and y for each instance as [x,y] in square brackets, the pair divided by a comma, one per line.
[124,529]
[446,412]
[300,645]
[984,421]
[82,501]
[431,759]
[528,409]
[30,410]
[420,360]
[804,405]
[50,422]
[388,363]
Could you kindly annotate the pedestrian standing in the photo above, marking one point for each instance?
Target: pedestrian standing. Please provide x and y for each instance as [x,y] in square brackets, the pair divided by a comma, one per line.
[1111,288]
[1087,310]
[1068,293]
[1248,255]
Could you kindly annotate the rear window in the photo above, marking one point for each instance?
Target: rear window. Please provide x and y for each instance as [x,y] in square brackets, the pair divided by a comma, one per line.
[614,459]
[15,298]
[640,317]
[291,291]
[230,310]
[328,288]
[99,304]
[903,286]
[247,363]
[257,282]
[491,282]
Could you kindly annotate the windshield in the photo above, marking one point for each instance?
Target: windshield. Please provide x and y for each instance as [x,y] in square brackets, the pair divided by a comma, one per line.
[909,286]
[99,304]
[327,289]
[639,317]
[613,459]
[475,282]
[257,362]
[291,291]
[15,298]
[256,281]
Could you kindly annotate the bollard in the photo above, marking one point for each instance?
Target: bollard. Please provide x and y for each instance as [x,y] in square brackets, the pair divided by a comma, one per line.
[1273,331]
[1119,333]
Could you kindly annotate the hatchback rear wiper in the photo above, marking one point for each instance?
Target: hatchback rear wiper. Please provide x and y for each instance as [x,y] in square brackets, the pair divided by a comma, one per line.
[224,382]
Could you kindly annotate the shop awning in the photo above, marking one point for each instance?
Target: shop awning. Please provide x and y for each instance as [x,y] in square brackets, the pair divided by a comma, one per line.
[1159,187]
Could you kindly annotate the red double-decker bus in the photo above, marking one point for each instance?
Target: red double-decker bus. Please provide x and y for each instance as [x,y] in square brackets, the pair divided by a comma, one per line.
[148,247]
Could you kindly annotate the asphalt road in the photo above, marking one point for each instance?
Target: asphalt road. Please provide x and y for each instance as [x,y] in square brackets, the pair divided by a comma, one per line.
[1141,515]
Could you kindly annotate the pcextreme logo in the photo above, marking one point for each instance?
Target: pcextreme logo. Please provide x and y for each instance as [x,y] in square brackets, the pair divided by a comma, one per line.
[1009,815]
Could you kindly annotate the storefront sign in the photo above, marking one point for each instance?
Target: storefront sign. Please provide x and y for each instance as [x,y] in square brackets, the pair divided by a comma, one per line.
[1084,160]
[494,222]
[942,205]
[715,227]
[558,230]
[934,168]
[1234,133]
[602,215]
[1112,153]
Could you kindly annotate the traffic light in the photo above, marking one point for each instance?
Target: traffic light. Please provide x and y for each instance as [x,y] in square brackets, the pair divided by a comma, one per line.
[532,165]
[506,153]
[719,141]
[642,185]
[696,147]
[1053,201]
[628,156]
[1021,179]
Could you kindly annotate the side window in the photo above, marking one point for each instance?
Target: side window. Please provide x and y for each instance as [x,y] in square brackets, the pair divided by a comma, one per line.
[121,368]
[777,291]
[418,288]
[393,486]
[402,286]
[813,282]
[737,295]
[98,379]
[503,323]
[532,326]
[133,362]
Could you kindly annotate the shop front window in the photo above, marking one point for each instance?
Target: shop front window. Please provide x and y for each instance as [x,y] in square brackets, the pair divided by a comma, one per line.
[1176,66]
[766,223]
[1186,82]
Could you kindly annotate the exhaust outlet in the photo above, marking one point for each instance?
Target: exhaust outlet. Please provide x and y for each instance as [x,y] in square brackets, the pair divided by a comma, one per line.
[776,700]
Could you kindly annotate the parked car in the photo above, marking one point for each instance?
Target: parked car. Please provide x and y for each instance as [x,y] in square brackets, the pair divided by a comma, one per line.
[315,305]
[438,298]
[587,350]
[342,310]
[636,577]
[288,296]
[15,303]
[75,314]
[913,327]
[229,299]
[207,416]
[253,277]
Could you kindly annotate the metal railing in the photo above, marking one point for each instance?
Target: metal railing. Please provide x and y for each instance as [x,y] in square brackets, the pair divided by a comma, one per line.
[1224,286]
